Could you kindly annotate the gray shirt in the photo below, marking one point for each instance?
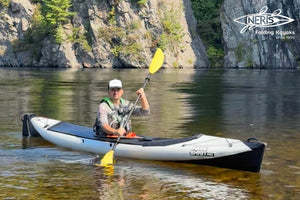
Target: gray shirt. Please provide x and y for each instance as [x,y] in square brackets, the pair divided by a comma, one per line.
[113,117]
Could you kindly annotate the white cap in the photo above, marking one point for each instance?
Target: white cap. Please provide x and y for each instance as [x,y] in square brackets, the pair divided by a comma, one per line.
[115,83]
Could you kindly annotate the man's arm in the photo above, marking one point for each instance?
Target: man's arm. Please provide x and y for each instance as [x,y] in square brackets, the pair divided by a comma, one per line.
[145,104]
[103,122]
[110,131]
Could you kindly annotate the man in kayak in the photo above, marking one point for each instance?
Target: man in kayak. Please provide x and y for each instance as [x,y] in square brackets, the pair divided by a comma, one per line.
[114,110]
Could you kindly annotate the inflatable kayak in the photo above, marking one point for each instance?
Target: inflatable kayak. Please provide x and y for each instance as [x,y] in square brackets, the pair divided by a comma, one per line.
[198,149]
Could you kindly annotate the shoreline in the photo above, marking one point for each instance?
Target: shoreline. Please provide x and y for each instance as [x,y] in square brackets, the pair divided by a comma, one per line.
[162,69]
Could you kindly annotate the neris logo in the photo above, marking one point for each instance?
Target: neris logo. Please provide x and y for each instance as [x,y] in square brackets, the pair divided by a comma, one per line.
[262,19]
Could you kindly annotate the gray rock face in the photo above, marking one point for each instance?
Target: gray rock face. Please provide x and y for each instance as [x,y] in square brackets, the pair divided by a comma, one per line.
[261,47]
[117,34]
[13,21]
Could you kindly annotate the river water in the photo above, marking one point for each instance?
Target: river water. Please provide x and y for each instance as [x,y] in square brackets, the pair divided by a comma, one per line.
[233,103]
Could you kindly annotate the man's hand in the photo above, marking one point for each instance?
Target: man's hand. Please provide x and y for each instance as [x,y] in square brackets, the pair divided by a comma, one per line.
[110,131]
[141,92]
[121,131]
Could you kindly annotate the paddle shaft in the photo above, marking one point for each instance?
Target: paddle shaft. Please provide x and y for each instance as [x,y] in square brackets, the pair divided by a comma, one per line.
[131,111]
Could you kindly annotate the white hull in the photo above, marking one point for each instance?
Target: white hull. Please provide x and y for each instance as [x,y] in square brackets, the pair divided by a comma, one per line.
[201,148]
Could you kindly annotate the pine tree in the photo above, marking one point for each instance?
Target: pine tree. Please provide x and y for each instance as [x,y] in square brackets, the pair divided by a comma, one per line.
[56,11]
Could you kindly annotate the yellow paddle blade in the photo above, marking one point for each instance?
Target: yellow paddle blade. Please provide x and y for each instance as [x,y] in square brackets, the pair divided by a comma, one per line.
[157,61]
[109,170]
[108,159]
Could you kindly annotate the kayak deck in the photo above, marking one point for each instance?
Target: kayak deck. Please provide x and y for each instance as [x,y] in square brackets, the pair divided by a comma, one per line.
[88,133]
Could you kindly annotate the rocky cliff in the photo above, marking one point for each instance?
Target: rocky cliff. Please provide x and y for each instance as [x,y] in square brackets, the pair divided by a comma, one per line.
[106,33]
[265,42]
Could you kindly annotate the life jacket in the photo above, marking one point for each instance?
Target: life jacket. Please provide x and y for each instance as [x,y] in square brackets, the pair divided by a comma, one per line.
[110,103]
[117,116]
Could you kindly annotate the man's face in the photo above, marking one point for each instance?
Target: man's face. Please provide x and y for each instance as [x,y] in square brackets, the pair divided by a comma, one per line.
[115,93]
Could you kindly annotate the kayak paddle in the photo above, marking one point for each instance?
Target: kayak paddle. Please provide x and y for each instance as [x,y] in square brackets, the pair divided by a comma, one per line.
[155,65]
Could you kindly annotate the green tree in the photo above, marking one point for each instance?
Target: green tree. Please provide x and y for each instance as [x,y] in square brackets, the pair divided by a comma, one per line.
[5,3]
[173,31]
[209,28]
[56,11]
[60,35]
[38,30]
[214,55]
[47,19]
[40,27]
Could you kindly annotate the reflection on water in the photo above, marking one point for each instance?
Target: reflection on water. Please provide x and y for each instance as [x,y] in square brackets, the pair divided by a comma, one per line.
[57,174]
[235,103]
